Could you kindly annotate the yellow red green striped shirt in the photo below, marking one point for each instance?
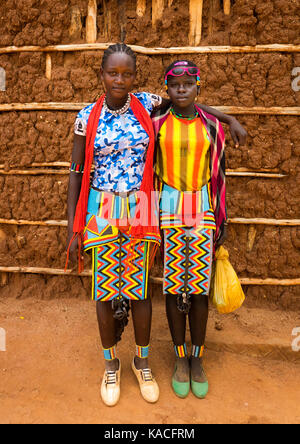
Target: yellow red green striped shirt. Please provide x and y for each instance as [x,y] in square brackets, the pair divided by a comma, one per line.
[183,154]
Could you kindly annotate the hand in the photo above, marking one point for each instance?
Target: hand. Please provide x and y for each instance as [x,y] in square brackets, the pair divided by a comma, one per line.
[238,132]
[73,254]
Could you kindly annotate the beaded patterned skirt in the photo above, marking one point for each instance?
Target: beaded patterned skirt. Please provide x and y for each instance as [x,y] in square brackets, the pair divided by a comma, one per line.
[188,241]
[120,265]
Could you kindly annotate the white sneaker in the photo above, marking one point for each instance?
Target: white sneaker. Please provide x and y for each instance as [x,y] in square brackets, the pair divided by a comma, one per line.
[110,388]
[148,385]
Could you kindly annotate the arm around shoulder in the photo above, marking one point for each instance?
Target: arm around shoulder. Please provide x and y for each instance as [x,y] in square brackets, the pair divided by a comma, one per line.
[237,131]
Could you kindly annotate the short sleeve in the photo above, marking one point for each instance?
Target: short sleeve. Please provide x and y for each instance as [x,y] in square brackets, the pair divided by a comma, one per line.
[155,100]
[149,101]
[82,121]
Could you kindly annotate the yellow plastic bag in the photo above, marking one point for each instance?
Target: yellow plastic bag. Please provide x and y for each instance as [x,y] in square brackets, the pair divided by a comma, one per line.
[226,291]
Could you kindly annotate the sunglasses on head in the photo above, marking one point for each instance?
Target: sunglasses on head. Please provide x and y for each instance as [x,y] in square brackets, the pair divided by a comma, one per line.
[181,70]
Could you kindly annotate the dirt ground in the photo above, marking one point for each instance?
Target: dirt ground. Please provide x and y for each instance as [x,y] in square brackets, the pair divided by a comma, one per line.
[52,368]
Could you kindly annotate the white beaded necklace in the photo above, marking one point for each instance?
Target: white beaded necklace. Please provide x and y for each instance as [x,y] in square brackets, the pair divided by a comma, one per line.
[120,111]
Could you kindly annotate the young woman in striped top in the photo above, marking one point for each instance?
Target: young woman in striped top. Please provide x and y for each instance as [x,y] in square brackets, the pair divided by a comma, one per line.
[190,165]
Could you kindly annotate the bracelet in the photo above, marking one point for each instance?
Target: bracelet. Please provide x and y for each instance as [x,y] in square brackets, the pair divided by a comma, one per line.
[76,168]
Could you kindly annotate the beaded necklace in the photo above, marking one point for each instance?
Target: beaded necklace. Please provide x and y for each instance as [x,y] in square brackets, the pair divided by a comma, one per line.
[120,111]
[181,116]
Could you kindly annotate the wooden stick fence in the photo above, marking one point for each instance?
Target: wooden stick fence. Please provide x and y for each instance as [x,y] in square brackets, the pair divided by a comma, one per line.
[273,48]
[227,6]
[67,164]
[59,172]
[91,22]
[196,10]
[155,280]
[250,281]
[45,223]
[157,11]
[48,66]
[234,220]
[234,110]
[141,7]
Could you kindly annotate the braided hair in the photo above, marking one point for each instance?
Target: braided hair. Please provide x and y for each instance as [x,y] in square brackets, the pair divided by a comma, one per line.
[116,49]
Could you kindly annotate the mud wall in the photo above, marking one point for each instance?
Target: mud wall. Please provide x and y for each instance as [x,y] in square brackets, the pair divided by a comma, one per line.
[235,79]
[251,22]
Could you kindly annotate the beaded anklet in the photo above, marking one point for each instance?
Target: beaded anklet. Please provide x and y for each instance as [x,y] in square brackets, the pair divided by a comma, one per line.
[142,352]
[197,351]
[109,353]
[180,351]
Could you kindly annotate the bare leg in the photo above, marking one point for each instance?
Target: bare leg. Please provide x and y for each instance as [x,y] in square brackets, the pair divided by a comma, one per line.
[177,325]
[198,317]
[142,318]
[107,329]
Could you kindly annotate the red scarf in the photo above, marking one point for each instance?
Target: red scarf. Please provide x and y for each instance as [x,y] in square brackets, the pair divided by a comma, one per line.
[146,218]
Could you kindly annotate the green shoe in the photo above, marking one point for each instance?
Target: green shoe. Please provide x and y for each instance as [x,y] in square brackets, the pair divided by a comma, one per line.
[200,389]
[181,389]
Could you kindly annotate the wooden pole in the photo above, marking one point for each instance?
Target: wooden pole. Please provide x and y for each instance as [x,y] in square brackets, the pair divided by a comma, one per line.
[196,10]
[91,22]
[45,223]
[157,10]
[235,110]
[251,238]
[39,171]
[35,172]
[214,5]
[251,281]
[67,164]
[48,66]
[156,280]
[107,22]
[44,164]
[254,174]
[40,270]
[4,279]
[281,48]
[122,19]
[238,172]
[227,6]
[141,8]
[76,24]
[234,220]
[263,221]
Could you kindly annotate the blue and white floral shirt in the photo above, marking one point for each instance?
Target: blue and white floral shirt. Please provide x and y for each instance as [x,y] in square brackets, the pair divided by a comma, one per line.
[120,146]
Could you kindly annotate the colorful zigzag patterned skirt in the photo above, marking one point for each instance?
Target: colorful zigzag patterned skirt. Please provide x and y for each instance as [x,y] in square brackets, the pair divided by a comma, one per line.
[120,272]
[188,250]
[187,260]
[120,267]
